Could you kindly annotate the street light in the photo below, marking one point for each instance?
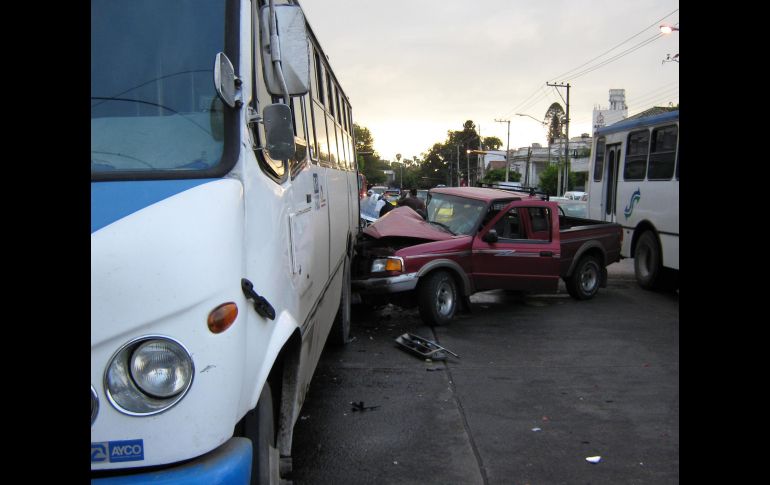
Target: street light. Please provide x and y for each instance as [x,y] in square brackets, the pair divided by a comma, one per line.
[541,122]
[667,29]
[529,150]
[468,167]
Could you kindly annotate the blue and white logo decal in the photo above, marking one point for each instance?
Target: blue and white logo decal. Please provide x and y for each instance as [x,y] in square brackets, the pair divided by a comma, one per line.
[99,452]
[634,199]
[117,451]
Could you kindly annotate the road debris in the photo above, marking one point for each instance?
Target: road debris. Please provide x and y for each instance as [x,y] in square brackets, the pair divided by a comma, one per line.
[593,459]
[423,347]
[359,406]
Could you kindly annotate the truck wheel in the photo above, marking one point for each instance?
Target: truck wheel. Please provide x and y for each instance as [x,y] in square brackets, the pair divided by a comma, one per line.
[437,298]
[340,332]
[259,427]
[585,280]
[647,263]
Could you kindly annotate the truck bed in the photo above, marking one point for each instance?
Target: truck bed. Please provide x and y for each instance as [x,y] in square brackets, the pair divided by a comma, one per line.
[578,235]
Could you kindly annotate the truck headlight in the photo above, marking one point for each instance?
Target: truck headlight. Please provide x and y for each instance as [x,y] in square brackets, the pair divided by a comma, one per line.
[148,375]
[391,263]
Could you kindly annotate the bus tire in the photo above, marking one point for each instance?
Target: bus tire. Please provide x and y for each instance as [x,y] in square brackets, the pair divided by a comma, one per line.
[259,427]
[437,298]
[340,332]
[647,261]
[585,279]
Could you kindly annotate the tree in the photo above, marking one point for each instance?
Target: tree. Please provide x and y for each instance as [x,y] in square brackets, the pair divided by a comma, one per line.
[549,179]
[492,143]
[555,120]
[498,175]
[368,159]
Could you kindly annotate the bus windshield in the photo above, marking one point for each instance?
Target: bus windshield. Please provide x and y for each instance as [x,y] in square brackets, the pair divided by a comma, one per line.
[153,103]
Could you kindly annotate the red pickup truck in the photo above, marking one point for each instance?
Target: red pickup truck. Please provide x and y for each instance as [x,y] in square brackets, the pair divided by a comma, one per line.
[476,239]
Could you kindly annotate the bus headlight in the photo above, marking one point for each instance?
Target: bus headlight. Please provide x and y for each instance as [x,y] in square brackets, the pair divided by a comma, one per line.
[148,375]
[392,263]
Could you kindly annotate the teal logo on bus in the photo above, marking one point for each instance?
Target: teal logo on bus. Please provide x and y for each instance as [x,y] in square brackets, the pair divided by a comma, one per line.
[631,203]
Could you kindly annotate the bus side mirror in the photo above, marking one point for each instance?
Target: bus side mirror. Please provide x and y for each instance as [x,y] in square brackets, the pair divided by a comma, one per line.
[224,79]
[279,132]
[490,237]
[290,44]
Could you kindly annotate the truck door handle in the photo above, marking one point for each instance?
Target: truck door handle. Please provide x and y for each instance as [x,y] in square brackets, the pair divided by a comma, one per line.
[547,254]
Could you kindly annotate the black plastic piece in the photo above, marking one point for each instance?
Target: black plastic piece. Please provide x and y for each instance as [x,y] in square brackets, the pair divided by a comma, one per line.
[261,305]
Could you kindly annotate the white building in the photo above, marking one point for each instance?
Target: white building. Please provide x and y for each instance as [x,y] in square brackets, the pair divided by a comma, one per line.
[617,111]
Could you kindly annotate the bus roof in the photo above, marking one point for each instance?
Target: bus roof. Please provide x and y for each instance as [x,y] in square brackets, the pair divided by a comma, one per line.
[631,124]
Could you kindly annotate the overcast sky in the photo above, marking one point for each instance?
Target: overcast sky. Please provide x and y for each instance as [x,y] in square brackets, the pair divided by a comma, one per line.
[414,69]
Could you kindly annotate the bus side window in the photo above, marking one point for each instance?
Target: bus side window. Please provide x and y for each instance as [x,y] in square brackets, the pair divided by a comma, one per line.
[662,153]
[599,160]
[677,162]
[635,167]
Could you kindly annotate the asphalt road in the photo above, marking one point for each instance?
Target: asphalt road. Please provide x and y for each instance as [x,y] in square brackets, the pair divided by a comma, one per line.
[543,382]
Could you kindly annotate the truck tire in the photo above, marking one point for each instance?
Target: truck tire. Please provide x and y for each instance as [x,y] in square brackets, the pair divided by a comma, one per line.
[437,298]
[647,261]
[340,332]
[259,427]
[585,279]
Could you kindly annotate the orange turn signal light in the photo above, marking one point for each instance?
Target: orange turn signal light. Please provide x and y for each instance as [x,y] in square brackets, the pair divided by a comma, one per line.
[393,265]
[222,317]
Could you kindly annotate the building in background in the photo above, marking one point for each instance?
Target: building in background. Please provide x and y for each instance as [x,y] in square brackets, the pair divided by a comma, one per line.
[536,158]
[617,110]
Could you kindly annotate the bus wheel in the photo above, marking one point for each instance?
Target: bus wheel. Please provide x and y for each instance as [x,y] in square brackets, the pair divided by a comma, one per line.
[437,298]
[340,332]
[647,265]
[259,427]
[584,281]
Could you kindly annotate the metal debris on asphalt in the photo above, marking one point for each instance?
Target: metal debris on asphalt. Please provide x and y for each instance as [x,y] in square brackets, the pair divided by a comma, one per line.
[423,347]
[359,406]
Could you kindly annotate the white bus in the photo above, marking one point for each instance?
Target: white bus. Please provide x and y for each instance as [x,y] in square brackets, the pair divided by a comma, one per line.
[634,181]
[224,206]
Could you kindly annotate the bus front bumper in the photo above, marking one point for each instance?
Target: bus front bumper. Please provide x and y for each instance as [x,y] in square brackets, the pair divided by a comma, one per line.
[228,464]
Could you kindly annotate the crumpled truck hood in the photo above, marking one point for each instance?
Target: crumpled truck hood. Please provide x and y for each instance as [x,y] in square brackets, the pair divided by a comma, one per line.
[405,222]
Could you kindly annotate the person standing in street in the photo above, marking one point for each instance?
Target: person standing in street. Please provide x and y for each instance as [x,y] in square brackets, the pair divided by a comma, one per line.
[414,202]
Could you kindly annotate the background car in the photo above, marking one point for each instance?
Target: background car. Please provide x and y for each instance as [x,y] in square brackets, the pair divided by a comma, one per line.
[574,195]
[572,207]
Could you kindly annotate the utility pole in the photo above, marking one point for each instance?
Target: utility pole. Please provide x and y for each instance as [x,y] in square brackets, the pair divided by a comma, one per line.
[507,147]
[526,174]
[457,157]
[566,134]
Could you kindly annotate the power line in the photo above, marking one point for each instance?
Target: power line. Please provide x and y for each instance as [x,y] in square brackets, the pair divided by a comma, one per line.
[654,24]
[618,56]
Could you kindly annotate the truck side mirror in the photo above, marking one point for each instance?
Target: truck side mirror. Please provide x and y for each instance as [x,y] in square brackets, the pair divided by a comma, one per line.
[490,236]
[289,44]
[279,133]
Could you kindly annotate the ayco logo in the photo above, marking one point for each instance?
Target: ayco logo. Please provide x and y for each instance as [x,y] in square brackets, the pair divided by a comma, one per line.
[117,451]
[98,452]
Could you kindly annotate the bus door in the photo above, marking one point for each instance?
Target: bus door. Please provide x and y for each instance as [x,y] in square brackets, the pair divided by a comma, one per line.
[610,191]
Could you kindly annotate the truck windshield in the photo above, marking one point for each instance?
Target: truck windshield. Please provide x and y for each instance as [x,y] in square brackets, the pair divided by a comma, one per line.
[458,214]
[153,103]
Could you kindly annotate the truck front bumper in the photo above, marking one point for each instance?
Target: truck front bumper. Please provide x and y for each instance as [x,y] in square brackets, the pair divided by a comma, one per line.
[228,464]
[390,284]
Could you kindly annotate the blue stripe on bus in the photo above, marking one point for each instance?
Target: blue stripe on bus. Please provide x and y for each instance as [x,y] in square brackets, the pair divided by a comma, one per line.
[112,201]
[637,123]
